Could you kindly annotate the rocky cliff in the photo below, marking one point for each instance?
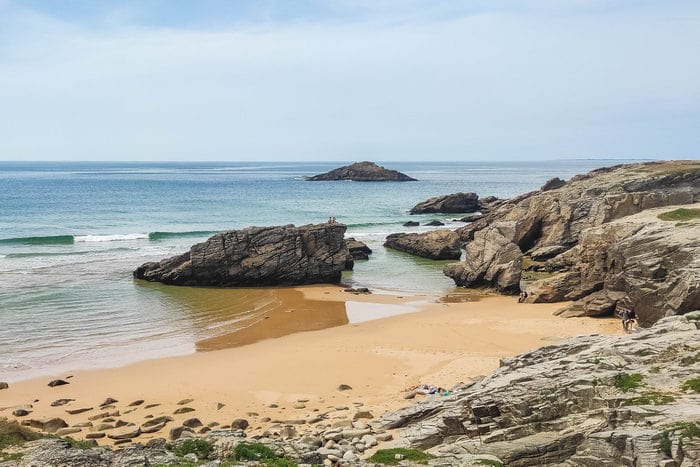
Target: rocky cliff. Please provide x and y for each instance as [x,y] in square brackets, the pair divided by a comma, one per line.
[257,256]
[561,229]
[362,172]
[589,401]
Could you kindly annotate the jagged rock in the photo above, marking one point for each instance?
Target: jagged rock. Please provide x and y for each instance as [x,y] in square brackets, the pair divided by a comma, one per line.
[454,203]
[548,224]
[358,249]
[553,184]
[437,244]
[362,172]
[564,404]
[470,217]
[257,256]
[492,259]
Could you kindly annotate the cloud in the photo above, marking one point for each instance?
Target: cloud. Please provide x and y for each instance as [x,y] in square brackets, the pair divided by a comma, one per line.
[537,83]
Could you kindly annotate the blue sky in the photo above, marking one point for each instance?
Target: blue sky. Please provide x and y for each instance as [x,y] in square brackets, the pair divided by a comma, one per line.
[349,80]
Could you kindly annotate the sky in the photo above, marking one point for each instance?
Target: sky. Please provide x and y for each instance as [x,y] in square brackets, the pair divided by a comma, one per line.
[314,80]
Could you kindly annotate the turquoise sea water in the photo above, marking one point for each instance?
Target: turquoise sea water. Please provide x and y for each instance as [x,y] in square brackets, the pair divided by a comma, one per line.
[72,233]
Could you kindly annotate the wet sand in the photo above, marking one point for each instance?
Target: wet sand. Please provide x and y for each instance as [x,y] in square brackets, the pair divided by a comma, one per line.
[271,371]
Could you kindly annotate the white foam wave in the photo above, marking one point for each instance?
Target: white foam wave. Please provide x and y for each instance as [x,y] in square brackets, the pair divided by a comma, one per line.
[110,238]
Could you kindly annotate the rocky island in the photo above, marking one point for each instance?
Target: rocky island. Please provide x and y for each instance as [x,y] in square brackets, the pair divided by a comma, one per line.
[362,172]
[258,256]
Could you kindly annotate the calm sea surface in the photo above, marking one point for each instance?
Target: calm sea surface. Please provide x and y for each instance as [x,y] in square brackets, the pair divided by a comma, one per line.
[72,233]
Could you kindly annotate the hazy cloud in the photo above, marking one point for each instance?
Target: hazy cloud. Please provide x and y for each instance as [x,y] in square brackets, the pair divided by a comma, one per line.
[349,80]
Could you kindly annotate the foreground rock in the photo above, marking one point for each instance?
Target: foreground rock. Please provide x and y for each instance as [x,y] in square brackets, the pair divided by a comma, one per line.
[362,172]
[591,400]
[545,225]
[437,244]
[257,256]
[358,249]
[456,203]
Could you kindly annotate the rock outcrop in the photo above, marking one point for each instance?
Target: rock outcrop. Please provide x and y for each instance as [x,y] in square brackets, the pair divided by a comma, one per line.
[358,249]
[257,256]
[362,172]
[590,400]
[437,244]
[546,224]
[456,203]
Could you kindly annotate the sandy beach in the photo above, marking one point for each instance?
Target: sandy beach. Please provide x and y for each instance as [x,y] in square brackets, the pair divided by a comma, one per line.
[271,375]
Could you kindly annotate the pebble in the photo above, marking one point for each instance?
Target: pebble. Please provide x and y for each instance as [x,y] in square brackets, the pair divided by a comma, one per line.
[342,407]
[150,406]
[59,402]
[20,412]
[57,382]
[136,402]
[4,385]
[77,411]
[108,401]
[185,401]
[299,406]
[344,387]
[384,437]
[220,405]
[182,410]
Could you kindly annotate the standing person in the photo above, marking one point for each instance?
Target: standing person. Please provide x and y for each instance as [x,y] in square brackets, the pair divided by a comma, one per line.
[626,316]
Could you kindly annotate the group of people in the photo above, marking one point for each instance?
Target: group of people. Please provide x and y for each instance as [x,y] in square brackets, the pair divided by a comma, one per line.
[331,220]
[628,317]
[522,297]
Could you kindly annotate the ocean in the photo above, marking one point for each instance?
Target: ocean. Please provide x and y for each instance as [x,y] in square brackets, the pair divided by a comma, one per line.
[72,233]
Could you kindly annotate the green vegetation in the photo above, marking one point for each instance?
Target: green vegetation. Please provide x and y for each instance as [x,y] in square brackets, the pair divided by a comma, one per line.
[261,453]
[665,444]
[199,447]
[626,382]
[388,456]
[688,429]
[489,462]
[691,385]
[650,398]
[13,434]
[680,215]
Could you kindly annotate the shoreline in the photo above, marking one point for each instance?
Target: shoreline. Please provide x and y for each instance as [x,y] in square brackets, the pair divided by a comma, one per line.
[294,378]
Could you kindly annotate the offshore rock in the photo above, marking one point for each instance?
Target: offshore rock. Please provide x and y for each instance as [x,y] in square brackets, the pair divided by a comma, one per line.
[358,249]
[454,203]
[257,256]
[568,404]
[437,244]
[362,172]
[564,226]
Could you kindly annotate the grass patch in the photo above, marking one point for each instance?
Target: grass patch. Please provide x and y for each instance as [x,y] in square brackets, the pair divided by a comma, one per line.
[535,275]
[665,444]
[625,382]
[261,453]
[688,429]
[680,215]
[489,462]
[388,456]
[691,385]
[13,434]
[650,398]
[199,447]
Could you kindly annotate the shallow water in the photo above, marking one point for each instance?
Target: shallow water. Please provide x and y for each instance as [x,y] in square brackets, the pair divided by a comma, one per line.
[72,233]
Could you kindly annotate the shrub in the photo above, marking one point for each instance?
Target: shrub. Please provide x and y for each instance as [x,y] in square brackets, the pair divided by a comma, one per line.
[691,385]
[626,382]
[681,215]
[201,448]
[650,398]
[388,456]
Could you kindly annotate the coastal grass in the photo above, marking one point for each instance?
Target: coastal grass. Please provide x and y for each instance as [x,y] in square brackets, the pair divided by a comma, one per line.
[691,385]
[650,398]
[388,456]
[491,462]
[13,434]
[199,447]
[626,382]
[261,453]
[680,215]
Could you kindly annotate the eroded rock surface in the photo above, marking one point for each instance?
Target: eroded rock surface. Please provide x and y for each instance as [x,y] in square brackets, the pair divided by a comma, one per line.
[574,404]
[362,172]
[455,203]
[547,224]
[437,244]
[257,256]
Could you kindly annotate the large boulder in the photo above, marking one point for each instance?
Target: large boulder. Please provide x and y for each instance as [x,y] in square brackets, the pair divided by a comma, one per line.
[437,244]
[492,259]
[454,203]
[257,256]
[362,172]
[358,249]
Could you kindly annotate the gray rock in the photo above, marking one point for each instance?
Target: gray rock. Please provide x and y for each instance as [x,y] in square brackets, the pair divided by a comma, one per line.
[454,203]
[192,423]
[239,424]
[177,432]
[4,385]
[362,172]
[21,412]
[257,256]
[437,244]
[57,382]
